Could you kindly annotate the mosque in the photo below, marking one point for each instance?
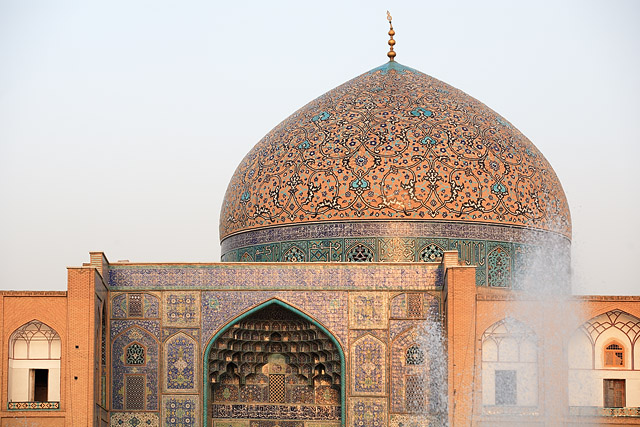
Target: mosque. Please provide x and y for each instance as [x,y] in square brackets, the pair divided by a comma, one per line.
[390,212]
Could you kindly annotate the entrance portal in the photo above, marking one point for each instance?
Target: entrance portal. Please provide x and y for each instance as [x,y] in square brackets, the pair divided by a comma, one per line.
[274,367]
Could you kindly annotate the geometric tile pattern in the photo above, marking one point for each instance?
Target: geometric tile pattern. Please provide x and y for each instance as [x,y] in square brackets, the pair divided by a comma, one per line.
[134,419]
[256,276]
[148,306]
[368,366]
[368,310]
[378,249]
[152,326]
[181,362]
[181,309]
[181,411]
[368,412]
[394,144]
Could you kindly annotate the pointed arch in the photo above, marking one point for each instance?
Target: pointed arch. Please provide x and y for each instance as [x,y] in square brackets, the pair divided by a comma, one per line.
[35,351]
[135,378]
[509,369]
[180,353]
[274,301]
[369,364]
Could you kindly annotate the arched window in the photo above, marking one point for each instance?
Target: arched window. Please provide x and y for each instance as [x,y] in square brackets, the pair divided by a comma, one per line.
[614,355]
[414,356]
[34,367]
[509,366]
[135,354]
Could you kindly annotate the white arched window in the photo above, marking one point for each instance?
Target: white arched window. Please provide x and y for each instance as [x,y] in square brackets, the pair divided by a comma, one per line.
[603,363]
[34,367]
[509,366]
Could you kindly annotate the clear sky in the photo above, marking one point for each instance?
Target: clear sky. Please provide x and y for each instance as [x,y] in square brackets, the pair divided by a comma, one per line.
[121,122]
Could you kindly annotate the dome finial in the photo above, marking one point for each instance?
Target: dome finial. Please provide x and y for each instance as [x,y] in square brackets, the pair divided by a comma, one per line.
[391,54]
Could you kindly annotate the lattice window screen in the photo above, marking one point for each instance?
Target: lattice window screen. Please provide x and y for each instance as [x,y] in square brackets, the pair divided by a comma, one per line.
[135,305]
[414,394]
[414,305]
[135,391]
[276,388]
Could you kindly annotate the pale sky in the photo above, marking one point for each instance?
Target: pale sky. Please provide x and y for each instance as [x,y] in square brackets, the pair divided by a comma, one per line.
[122,122]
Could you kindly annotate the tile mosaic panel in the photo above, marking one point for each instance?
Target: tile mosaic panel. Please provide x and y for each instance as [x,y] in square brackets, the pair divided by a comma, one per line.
[276,412]
[329,250]
[368,364]
[153,326]
[367,412]
[181,411]
[432,231]
[399,306]
[327,308]
[368,310]
[396,249]
[192,332]
[119,367]
[134,419]
[181,362]
[277,276]
[119,306]
[230,423]
[181,309]
[151,306]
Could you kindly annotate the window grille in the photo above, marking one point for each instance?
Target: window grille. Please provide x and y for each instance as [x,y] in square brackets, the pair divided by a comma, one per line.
[276,388]
[506,387]
[135,305]
[414,394]
[614,355]
[414,305]
[615,393]
[135,354]
[135,392]
[414,356]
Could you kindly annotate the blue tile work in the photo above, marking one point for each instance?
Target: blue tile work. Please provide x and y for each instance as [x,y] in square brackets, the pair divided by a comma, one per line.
[119,368]
[181,309]
[368,364]
[150,306]
[181,361]
[134,419]
[180,411]
[473,241]
[387,276]
[499,268]
[153,326]
[192,332]
[327,308]
[119,306]
[368,310]
[368,412]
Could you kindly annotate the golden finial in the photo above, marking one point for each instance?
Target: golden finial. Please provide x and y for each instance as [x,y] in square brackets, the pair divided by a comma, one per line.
[391,54]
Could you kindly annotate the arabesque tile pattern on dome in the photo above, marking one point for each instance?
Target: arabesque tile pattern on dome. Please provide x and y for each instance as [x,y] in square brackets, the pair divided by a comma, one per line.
[394,144]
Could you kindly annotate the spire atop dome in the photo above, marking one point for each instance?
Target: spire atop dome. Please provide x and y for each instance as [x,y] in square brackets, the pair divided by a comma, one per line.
[391,54]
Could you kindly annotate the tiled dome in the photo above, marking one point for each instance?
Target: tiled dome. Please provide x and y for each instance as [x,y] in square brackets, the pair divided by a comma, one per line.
[394,145]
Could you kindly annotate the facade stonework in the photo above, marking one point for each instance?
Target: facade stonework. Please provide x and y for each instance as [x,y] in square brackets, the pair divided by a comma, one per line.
[159,372]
